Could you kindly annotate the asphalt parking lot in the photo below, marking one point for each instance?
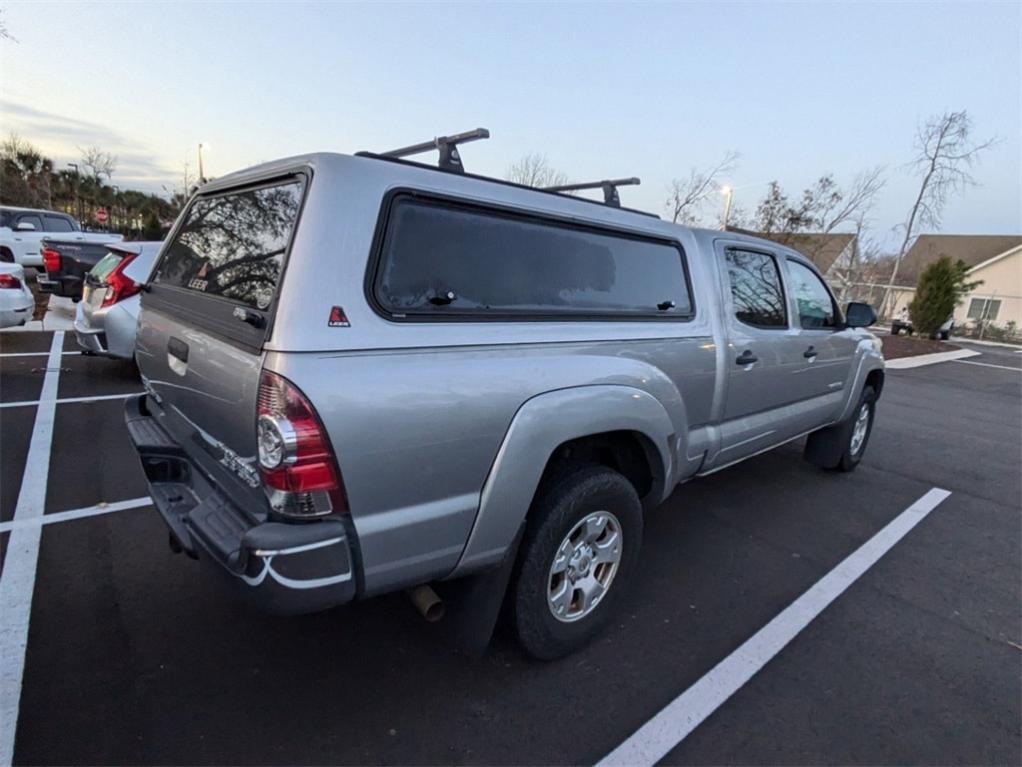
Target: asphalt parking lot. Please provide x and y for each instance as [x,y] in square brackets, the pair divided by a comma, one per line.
[136,655]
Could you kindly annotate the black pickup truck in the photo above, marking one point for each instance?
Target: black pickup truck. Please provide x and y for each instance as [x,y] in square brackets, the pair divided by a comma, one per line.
[66,264]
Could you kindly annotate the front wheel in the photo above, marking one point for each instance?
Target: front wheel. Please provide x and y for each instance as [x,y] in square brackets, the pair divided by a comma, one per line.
[578,554]
[840,447]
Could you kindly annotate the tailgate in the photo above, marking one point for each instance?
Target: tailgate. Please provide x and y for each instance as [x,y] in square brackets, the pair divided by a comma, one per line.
[204,319]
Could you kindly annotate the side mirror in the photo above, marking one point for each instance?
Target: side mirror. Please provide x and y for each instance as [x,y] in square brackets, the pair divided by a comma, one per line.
[24,226]
[859,315]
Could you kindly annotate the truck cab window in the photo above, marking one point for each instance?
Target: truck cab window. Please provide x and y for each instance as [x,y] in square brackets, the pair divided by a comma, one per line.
[756,290]
[58,224]
[816,309]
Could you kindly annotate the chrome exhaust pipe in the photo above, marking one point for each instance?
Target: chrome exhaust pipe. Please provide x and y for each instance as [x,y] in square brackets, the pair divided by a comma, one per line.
[426,601]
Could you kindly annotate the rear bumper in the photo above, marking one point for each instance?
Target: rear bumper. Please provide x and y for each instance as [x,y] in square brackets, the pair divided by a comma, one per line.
[15,307]
[281,567]
[65,285]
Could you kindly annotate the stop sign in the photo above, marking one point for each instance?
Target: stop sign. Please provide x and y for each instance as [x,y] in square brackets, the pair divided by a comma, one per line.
[101,216]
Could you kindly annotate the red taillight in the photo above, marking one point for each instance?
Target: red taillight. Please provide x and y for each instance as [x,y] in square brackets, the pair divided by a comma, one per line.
[295,457]
[119,287]
[8,281]
[51,260]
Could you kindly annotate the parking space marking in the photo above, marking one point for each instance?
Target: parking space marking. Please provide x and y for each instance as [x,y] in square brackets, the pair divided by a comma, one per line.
[67,516]
[32,354]
[920,360]
[987,365]
[655,739]
[17,580]
[66,400]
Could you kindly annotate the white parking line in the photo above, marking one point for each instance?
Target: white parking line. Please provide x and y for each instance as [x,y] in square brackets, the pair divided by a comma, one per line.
[17,580]
[655,739]
[988,365]
[904,363]
[34,354]
[67,516]
[65,400]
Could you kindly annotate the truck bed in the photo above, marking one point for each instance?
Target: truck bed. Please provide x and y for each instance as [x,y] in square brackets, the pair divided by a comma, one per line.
[76,259]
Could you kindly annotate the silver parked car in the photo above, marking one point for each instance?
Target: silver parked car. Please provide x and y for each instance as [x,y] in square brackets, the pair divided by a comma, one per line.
[365,374]
[106,316]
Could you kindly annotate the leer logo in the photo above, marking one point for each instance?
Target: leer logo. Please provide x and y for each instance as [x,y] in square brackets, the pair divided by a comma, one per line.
[338,319]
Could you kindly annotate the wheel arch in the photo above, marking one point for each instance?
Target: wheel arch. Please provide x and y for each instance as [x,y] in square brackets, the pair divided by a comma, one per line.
[619,426]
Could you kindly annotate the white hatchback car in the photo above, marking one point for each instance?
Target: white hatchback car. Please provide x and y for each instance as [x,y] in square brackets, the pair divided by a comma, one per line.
[16,300]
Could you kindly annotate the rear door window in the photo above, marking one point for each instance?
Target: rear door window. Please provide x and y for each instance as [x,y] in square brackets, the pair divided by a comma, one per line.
[443,258]
[58,224]
[756,289]
[231,246]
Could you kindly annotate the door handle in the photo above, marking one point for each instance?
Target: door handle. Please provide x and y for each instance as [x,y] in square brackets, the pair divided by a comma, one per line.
[177,348]
[746,358]
[810,352]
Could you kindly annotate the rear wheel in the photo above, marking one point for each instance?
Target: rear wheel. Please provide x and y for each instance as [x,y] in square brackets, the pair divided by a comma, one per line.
[577,556]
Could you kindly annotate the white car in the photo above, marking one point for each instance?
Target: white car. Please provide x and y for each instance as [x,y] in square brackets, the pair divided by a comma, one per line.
[23,229]
[16,300]
[108,312]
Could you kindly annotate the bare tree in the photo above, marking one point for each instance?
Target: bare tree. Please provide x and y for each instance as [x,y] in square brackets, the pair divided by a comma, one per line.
[98,162]
[688,196]
[945,151]
[534,170]
[823,207]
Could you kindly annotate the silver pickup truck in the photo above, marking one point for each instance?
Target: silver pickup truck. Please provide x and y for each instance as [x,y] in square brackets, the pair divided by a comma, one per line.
[364,374]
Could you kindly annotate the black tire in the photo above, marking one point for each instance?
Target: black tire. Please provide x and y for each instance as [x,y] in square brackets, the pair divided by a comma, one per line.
[849,458]
[831,448]
[563,501]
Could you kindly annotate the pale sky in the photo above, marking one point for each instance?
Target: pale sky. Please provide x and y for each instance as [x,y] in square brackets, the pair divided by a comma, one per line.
[603,90]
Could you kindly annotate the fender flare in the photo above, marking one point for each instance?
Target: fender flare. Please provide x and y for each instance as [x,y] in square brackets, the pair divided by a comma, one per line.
[869,360]
[541,424]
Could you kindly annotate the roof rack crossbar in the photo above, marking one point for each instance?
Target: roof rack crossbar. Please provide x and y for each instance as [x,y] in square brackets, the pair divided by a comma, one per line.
[609,187]
[449,160]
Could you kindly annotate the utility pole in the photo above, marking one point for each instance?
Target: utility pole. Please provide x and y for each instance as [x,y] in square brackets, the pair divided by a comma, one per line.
[728,193]
[202,177]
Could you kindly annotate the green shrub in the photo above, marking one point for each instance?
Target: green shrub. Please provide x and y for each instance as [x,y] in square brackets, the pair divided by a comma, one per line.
[940,288]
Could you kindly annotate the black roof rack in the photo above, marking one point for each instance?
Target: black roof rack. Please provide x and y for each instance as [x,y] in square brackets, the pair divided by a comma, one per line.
[449,160]
[609,187]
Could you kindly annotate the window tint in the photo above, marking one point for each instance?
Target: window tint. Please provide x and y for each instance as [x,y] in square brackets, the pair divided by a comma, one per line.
[815,306]
[447,259]
[756,289]
[233,245]
[32,218]
[58,224]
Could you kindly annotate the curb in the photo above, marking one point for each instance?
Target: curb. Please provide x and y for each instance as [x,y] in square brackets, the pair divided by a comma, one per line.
[961,339]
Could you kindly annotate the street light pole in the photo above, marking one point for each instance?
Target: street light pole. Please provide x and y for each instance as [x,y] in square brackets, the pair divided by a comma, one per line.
[202,178]
[113,207]
[728,193]
[78,202]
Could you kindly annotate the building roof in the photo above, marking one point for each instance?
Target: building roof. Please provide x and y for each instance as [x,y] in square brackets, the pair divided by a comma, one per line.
[973,249]
[822,249]
[1017,250]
